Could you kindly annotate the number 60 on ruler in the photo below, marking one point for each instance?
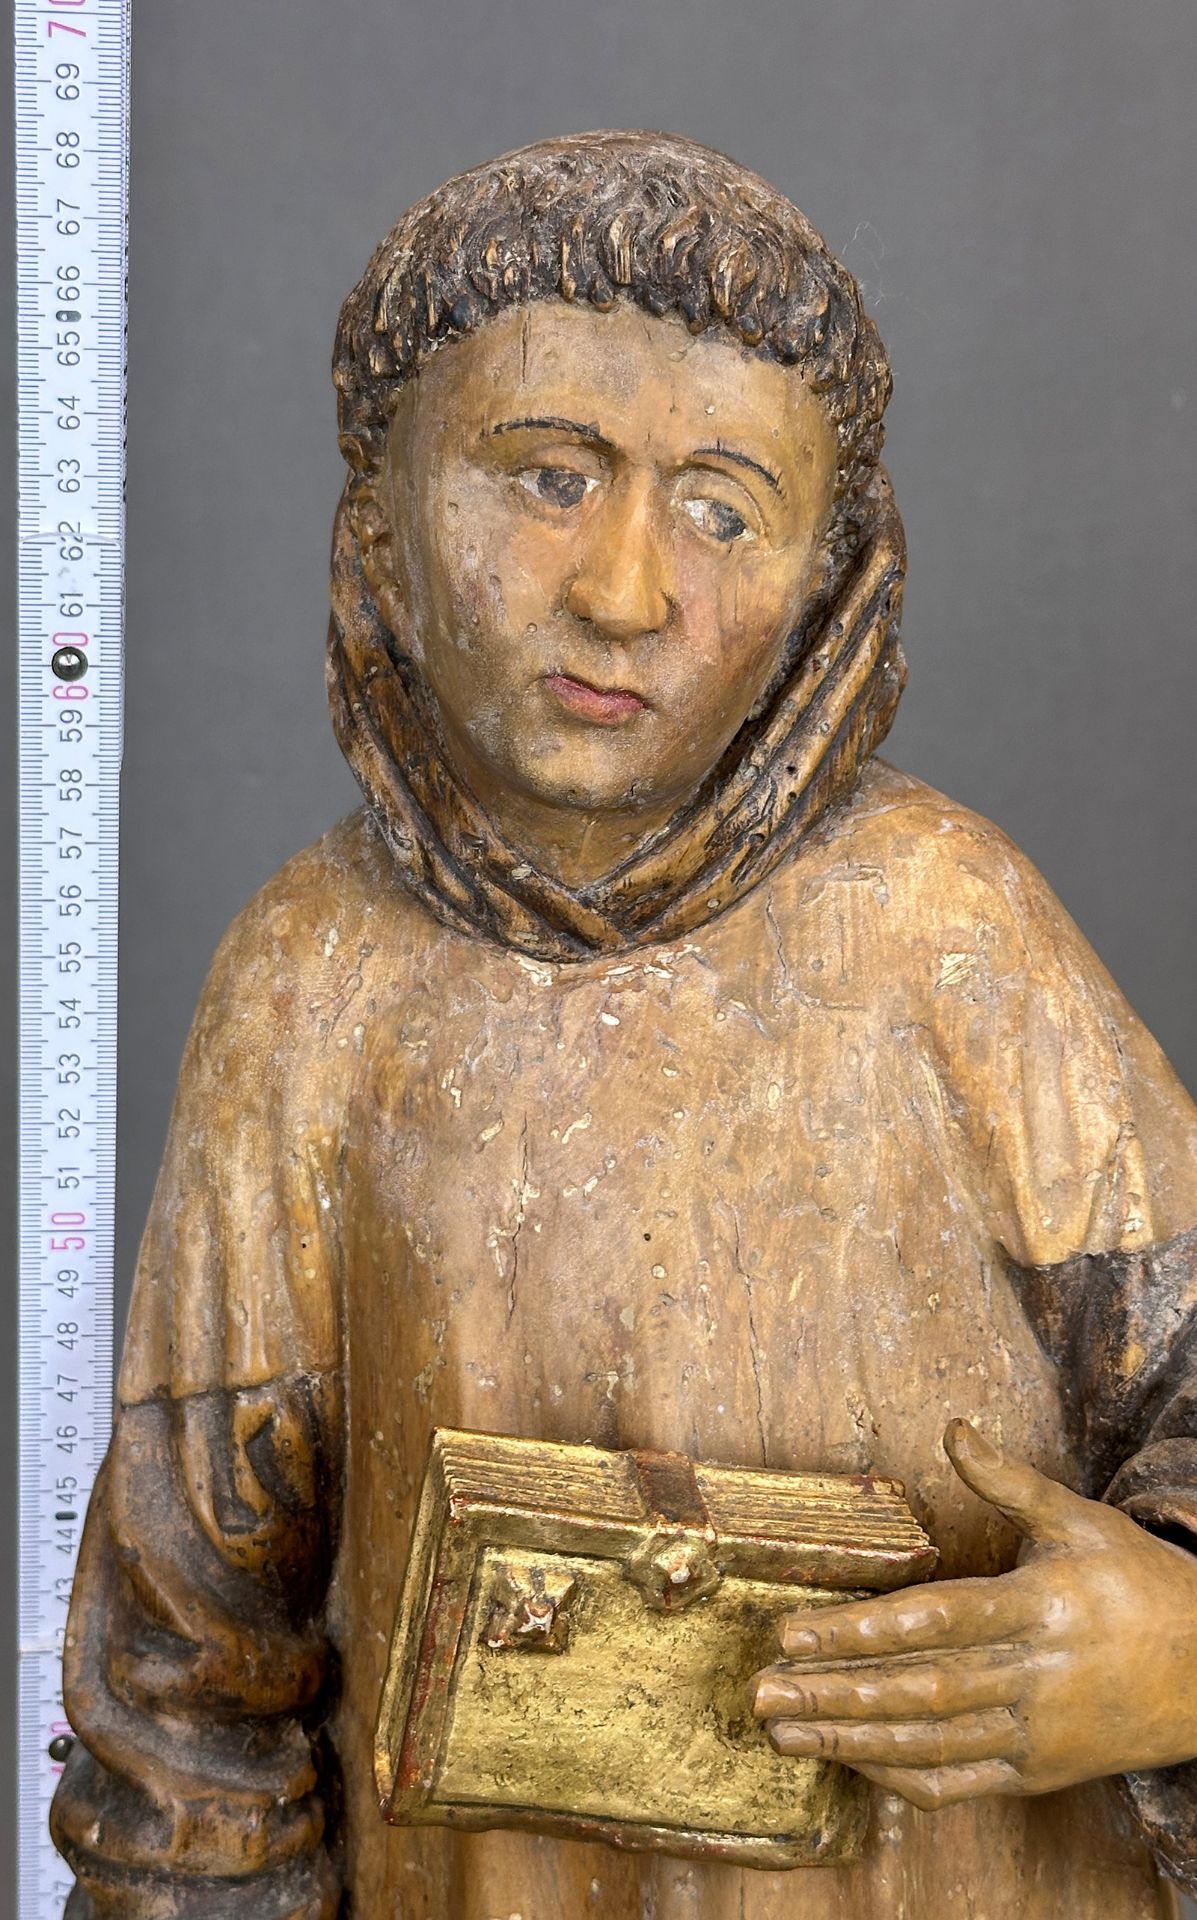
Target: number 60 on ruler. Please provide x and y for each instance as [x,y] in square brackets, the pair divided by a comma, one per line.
[72,64]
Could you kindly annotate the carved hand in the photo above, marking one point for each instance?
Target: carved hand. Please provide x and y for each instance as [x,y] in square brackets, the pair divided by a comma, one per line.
[1082,1661]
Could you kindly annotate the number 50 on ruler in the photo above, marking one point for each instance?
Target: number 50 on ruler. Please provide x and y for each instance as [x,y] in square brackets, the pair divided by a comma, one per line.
[71,147]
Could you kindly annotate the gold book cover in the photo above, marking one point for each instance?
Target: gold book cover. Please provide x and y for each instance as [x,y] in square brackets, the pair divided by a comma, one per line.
[576,1634]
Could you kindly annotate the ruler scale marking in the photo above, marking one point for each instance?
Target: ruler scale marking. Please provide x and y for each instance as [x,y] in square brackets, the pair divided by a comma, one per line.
[71,153]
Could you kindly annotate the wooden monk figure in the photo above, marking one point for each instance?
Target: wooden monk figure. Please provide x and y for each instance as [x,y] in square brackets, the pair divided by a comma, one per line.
[645,1063]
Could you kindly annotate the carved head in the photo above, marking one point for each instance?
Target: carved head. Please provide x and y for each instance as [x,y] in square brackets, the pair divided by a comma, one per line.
[610,409]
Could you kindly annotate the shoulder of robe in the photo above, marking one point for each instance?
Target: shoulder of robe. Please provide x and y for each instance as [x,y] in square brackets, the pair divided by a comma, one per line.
[332,922]
[950,903]
[1088,1139]
[231,1283]
[322,895]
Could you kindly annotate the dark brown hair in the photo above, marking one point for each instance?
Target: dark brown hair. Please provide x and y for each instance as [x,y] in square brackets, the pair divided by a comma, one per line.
[595,217]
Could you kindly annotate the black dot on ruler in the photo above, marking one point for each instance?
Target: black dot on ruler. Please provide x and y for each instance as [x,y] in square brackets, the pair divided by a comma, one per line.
[59,1748]
[69,664]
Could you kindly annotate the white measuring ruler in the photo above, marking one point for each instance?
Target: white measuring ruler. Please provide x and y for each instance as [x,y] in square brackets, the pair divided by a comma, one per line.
[72,101]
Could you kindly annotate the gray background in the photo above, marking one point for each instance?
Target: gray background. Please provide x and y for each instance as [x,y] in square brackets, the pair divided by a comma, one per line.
[1014,186]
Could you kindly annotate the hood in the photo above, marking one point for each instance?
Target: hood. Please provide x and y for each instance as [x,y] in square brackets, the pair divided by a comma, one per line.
[800,755]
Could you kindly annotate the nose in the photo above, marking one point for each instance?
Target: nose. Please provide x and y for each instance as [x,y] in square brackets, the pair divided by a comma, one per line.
[621,585]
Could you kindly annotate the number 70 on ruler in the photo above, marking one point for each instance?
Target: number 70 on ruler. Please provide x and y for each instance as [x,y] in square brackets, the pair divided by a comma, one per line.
[71,94]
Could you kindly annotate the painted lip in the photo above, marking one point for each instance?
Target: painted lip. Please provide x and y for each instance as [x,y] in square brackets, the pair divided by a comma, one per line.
[606,706]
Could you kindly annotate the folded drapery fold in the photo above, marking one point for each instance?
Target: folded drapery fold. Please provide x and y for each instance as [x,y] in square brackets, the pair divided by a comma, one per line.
[196,1667]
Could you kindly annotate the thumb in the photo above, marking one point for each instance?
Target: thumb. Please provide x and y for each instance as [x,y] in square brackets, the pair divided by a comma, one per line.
[1042,1509]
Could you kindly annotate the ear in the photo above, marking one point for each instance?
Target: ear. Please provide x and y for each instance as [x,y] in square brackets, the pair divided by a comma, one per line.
[379,549]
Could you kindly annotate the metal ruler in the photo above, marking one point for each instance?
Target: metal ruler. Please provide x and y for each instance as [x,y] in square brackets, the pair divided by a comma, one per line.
[72,107]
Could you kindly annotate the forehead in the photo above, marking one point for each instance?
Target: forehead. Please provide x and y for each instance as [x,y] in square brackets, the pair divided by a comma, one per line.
[640,380]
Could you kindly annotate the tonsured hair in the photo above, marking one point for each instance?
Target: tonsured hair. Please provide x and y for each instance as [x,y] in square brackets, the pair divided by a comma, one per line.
[597,217]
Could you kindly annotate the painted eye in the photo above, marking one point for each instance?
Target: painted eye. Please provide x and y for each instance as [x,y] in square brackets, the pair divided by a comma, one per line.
[717,518]
[559,486]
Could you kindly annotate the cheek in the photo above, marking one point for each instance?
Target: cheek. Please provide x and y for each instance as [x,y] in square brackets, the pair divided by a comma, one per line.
[534,564]
[459,574]
[497,571]
[481,625]
[738,620]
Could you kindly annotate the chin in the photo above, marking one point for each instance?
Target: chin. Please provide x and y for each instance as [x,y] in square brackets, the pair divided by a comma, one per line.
[580,785]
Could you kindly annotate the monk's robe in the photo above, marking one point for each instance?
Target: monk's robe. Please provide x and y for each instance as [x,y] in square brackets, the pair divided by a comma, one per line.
[814,1124]
[878,1145]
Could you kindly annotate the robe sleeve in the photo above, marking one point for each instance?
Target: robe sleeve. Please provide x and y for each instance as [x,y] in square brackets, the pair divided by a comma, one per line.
[1082,1146]
[1122,1329]
[196,1668]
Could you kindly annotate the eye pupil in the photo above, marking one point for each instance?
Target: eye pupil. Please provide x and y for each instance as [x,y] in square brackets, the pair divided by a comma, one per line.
[717,518]
[727,523]
[562,488]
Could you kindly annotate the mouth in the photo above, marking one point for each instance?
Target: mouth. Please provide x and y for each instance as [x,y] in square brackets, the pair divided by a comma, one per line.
[605,706]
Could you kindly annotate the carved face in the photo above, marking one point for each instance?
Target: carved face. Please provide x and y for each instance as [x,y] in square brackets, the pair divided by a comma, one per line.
[603,531]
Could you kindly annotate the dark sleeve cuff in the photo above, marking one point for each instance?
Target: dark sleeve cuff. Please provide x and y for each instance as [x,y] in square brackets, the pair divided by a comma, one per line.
[308,1891]
[1158,1488]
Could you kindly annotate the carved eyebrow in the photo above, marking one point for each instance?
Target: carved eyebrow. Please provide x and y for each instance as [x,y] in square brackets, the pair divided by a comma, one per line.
[553,423]
[745,460]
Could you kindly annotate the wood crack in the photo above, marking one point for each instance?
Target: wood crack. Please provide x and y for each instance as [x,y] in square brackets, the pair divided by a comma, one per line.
[520,1215]
[754,1344]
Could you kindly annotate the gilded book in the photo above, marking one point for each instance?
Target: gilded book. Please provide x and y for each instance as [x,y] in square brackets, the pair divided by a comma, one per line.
[577,1630]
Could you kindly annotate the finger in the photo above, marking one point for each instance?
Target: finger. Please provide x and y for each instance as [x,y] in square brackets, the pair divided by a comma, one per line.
[952,1613]
[1040,1508]
[933,1787]
[901,1689]
[994,1735]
